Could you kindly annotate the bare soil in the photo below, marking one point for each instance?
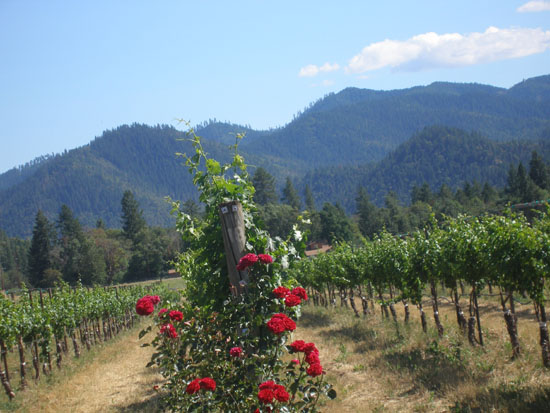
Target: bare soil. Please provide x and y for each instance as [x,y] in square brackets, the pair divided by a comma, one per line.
[116,380]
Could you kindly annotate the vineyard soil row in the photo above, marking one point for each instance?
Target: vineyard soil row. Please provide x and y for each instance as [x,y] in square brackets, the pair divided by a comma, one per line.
[112,377]
[378,366]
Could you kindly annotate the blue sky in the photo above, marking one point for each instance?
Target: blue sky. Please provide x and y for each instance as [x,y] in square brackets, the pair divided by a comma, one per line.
[71,69]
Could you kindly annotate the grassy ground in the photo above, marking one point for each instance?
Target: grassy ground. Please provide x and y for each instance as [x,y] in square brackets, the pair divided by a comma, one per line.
[377,365]
[111,377]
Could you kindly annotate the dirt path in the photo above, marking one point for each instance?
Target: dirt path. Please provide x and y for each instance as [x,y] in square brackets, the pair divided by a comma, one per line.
[115,381]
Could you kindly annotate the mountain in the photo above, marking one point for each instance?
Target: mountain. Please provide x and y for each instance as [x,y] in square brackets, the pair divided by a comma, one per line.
[357,125]
[354,137]
[436,155]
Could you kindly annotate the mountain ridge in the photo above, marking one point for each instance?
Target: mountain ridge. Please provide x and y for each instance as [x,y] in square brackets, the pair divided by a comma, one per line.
[339,138]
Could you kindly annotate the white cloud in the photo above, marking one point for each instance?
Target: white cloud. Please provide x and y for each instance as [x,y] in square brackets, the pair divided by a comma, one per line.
[314,70]
[430,50]
[534,6]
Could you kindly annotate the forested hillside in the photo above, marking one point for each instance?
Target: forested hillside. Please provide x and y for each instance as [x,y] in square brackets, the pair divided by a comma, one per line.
[358,125]
[345,140]
[436,155]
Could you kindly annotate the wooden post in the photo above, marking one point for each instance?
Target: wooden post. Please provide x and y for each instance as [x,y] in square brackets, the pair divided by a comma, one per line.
[234,240]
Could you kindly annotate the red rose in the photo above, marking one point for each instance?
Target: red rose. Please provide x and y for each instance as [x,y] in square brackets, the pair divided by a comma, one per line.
[208,384]
[315,370]
[266,396]
[292,300]
[269,384]
[247,261]
[176,315]
[313,358]
[276,325]
[169,330]
[236,352]
[281,394]
[162,311]
[193,387]
[298,345]
[265,259]
[155,299]
[145,306]
[310,347]
[295,361]
[300,292]
[280,322]
[290,325]
[281,292]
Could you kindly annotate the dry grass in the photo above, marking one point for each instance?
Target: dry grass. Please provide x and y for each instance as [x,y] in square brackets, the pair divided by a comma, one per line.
[109,378]
[377,365]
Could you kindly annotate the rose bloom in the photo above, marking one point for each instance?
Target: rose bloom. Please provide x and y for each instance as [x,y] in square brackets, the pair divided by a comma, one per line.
[290,325]
[247,261]
[266,396]
[176,315]
[281,394]
[145,306]
[298,345]
[236,352]
[295,361]
[315,370]
[280,323]
[281,292]
[155,299]
[265,259]
[169,330]
[208,383]
[276,325]
[300,292]
[269,384]
[193,387]
[162,311]
[292,300]
[313,358]
[310,347]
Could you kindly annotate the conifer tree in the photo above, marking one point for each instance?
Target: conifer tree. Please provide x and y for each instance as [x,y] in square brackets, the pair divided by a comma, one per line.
[39,252]
[310,202]
[264,184]
[539,171]
[290,196]
[132,217]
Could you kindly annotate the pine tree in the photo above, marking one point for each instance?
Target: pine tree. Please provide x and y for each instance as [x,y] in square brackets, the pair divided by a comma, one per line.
[539,171]
[369,219]
[264,184]
[335,225]
[39,252]
[132,217]
[310,202]
[290,196]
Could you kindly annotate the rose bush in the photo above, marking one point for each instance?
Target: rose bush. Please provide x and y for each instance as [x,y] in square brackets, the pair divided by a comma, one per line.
[229,353]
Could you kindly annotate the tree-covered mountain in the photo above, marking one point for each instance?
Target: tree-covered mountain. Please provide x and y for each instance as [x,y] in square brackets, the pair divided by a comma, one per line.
[357,125]
[437,155]
[355,137]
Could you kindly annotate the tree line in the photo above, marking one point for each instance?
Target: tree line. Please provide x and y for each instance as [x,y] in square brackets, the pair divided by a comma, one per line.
[332,224]
[64,250]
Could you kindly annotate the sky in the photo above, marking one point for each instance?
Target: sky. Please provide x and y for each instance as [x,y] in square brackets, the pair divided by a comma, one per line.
[71,69]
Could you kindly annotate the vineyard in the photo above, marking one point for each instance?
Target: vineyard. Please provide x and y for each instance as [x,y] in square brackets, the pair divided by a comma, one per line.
[505,254]
[46,326]
[259,325]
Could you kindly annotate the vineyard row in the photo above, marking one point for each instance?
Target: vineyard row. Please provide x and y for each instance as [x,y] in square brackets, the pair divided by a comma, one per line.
[506,254]
[39,320]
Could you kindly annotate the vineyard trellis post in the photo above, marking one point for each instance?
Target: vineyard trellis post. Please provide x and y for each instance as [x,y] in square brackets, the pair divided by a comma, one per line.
[234,240]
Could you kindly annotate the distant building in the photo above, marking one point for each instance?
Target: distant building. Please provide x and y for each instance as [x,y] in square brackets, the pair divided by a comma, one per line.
[314,248]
